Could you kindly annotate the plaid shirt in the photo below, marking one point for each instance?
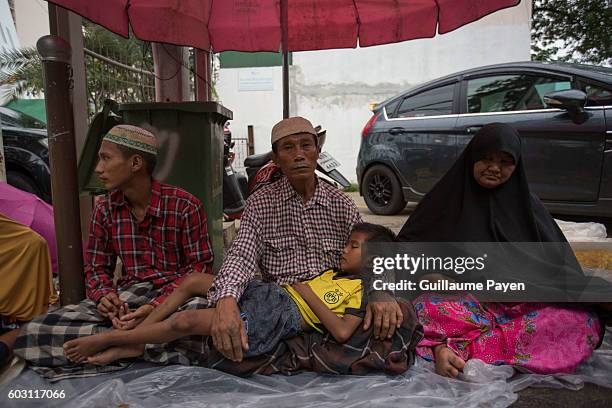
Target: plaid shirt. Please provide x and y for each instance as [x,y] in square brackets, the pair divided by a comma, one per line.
[288,241]
[170,242]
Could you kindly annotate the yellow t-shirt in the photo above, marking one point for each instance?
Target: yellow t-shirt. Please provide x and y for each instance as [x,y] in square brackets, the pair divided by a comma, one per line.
[342,295]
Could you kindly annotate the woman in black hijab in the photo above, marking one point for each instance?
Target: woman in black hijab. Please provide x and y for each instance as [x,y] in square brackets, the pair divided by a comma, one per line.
[492,206]
[485,197]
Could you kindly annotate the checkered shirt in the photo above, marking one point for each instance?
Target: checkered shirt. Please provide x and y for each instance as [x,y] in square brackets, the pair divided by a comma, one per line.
[170,242]
[288,241]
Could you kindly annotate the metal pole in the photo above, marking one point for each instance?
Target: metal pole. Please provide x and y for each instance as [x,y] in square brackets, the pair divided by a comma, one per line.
[251,140]
[171,76]
[55,54]
[68,26]
[284,37]
[203,77]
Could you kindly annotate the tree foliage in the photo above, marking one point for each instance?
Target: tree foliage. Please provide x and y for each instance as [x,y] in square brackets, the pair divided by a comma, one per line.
[20,73]
[21,70]
[572,31]
[111,81]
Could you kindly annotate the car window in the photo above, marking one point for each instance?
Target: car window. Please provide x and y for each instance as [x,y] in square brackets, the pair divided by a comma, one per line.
[504,93]
[8,121]
[437,101]
[598,96]
[17,119]
[390,108]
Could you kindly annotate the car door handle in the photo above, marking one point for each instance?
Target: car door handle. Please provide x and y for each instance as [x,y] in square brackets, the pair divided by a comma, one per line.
[397,131]
[473,129]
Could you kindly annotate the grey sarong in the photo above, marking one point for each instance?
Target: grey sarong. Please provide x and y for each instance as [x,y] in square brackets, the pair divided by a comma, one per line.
[41,341]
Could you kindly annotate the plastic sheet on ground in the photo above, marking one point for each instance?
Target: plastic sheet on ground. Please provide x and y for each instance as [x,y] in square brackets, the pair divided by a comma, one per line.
[584,231]
[145,385]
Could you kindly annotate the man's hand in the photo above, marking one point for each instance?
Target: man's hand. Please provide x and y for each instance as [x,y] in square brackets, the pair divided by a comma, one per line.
[128,320]
[109,305]
[227,330]
[386,314]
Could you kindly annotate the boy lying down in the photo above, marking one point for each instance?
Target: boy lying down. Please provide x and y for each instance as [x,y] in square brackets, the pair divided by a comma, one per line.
[333,302]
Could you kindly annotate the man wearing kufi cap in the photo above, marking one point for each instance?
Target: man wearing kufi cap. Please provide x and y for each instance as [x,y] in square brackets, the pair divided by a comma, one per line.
[291,230]
[158,231]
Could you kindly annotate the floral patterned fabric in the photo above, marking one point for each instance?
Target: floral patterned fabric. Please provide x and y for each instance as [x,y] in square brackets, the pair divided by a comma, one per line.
[539,337]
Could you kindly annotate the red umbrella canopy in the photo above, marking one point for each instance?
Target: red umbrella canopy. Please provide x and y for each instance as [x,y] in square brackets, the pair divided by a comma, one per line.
[255,25]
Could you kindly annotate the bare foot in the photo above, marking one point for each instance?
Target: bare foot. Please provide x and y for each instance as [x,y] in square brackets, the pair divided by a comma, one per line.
[448,364]
[78,350]
[116,353]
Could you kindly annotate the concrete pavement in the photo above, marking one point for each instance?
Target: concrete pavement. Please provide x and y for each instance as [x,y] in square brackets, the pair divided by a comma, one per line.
[394,222]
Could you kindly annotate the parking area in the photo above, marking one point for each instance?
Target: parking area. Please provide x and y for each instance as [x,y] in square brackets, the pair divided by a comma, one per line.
[395,222]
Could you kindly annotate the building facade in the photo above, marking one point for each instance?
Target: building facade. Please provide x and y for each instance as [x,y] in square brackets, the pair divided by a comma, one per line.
[8,35]
[333,88]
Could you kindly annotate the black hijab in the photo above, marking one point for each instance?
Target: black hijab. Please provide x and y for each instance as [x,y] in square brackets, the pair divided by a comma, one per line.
[458,209]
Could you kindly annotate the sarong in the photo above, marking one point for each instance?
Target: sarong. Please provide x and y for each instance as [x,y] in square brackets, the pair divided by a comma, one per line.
[537,337]
[41,341]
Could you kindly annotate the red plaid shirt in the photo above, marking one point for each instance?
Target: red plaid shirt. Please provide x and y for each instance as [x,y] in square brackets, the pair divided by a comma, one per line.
[170,242]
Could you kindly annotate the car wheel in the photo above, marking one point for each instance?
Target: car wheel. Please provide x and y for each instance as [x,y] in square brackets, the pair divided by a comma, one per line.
[22,182]
[382,191]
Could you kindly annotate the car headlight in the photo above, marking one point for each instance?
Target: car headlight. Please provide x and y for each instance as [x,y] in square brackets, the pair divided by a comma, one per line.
[44,142]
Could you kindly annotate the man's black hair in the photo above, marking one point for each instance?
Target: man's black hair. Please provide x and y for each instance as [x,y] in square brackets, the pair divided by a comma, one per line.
[375,233]
[149,159]
[274,145]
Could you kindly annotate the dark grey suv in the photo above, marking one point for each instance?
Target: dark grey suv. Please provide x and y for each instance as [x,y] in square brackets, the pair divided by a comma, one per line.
[562,111]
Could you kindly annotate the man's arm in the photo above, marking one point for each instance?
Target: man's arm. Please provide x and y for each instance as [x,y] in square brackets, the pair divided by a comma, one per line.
[227,329]
[341,328]
[100,260]
[196,248]
[241,260]
[382,310]
[385,313]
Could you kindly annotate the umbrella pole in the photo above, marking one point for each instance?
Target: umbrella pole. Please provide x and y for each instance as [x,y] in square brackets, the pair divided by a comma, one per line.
[285,85]
[55,53]
[284,27]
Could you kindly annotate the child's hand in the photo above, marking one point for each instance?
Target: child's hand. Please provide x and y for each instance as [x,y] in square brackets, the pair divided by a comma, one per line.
[128,320]
[299,287]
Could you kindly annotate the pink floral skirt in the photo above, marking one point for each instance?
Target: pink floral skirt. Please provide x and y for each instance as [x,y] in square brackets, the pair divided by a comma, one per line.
[540,337]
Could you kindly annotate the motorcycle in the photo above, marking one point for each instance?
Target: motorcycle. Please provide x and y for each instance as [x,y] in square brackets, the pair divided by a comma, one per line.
[261,171]
[234,184]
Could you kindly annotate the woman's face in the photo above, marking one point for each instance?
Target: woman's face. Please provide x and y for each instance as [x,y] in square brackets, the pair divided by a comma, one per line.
[494,169]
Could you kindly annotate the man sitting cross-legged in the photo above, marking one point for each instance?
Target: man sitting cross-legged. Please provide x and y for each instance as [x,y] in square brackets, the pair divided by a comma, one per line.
[333,302]
[158,231]
[290,231]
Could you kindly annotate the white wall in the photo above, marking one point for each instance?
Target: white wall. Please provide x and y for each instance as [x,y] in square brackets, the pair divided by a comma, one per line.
[334,87]
[8,35]
[32,21]
[262,109]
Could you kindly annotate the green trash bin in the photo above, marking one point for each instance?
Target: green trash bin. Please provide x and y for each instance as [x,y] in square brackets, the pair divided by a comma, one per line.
[190,143]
